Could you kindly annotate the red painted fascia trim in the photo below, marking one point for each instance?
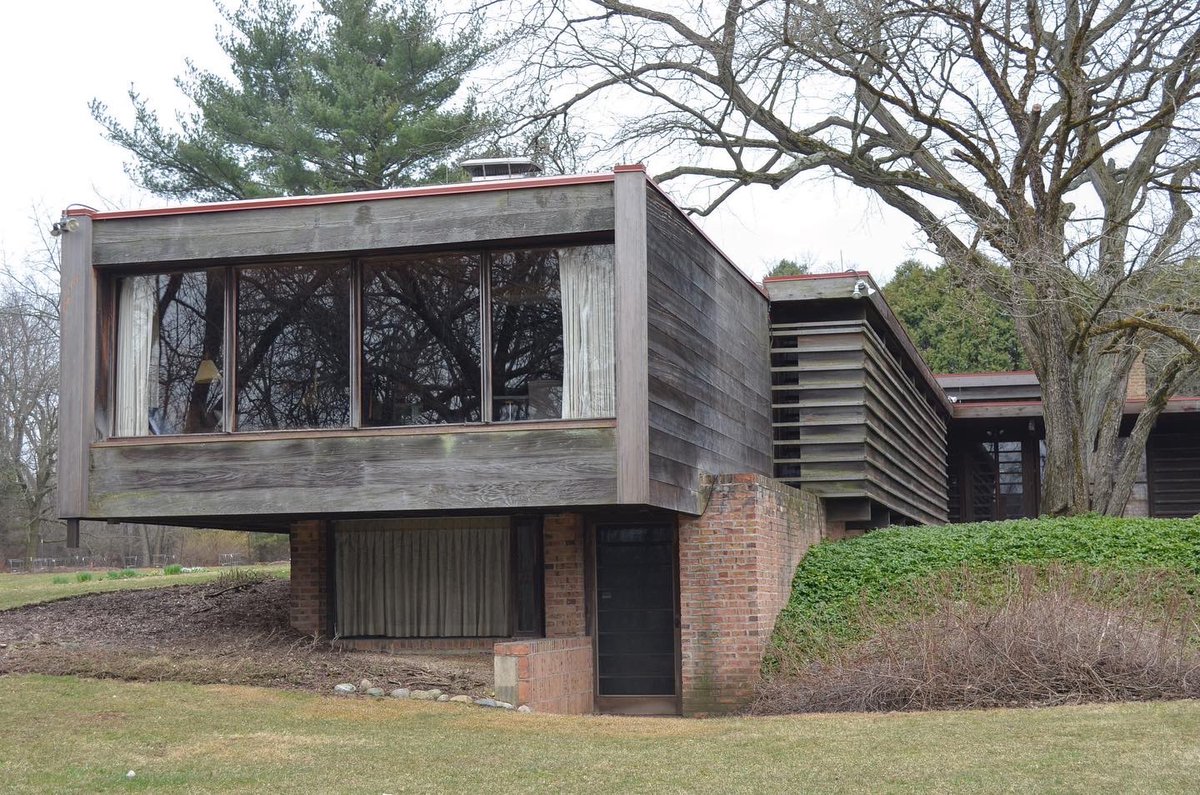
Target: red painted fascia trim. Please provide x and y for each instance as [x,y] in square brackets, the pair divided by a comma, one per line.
[761,290]
[1128,403]
[989,404]
[983,373]
[345,198]
[805,276]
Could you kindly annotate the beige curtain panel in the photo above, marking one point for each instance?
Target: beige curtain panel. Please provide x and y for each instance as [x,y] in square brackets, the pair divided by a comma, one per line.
[136,356]
[424,578]
[586,283]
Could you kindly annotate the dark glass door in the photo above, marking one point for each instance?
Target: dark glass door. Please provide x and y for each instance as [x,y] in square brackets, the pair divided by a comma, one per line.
[635,610]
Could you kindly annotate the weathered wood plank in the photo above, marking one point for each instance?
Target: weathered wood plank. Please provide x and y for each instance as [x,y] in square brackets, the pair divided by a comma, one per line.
[847,414]
[708,351]
[508,468]
[468,218]
[629,252]
[77,364]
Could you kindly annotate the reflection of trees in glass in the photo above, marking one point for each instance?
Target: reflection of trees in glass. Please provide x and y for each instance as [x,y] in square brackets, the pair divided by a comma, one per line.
[421,333]
[527,336]
[293,347]
[191,329]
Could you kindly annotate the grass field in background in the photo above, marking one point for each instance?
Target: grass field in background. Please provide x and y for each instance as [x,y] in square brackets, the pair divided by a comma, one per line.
[73,735]
[24,589]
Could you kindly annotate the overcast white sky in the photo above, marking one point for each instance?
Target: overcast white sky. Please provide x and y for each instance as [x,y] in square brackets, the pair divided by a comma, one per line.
[55,58]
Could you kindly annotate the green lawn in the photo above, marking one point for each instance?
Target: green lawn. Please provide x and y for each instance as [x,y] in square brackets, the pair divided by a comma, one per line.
[24,589]
[72,735]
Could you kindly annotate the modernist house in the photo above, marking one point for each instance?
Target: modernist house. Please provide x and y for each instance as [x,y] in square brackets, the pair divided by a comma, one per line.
[544,417]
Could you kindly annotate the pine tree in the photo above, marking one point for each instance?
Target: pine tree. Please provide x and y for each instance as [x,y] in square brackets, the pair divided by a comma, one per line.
[354,95]
[956,329]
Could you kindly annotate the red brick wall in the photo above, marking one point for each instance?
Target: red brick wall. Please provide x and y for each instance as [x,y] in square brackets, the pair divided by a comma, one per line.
[549,674]
[309,608]
[562,549]
[736,564]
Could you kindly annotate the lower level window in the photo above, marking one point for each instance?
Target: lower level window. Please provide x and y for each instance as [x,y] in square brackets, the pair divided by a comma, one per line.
[424,578]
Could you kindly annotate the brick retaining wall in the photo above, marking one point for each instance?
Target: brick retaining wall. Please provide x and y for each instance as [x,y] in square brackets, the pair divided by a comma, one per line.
[549,674]
[736,563]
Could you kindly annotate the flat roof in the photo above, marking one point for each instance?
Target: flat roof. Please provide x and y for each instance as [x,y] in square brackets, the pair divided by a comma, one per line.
[487,186]
[839,286]
[521,183]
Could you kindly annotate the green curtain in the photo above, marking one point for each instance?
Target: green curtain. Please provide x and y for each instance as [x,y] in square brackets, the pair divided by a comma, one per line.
[424,578]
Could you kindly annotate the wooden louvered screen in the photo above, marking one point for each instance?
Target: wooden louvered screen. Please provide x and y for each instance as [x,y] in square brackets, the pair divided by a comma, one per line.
[1173,470]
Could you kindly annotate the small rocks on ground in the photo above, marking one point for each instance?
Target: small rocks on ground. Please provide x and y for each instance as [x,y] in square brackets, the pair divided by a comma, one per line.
[525,708]
[443,697]
[375,691]
[365,684]
[345,688]
[486,702]
[462,699]
[424,695]
[400,692]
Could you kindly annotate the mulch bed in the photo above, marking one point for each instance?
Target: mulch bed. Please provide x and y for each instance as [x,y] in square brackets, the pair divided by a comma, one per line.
[209,634]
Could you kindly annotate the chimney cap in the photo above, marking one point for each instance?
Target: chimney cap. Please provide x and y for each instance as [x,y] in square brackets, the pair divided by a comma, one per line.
[490,168]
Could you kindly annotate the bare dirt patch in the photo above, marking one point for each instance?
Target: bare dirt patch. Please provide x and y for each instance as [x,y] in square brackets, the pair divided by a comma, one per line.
[209,634]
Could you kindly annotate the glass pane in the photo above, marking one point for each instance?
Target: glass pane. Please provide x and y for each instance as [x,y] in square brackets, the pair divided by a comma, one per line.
[527,336]
[293,347]
[191,364]
[421,340]
[170,338]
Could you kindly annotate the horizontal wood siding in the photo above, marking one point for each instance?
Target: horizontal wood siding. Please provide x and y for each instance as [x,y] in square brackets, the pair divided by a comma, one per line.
[318,476]
[470,218]
[849,421]
[708,376]
[819,406]
[908,435]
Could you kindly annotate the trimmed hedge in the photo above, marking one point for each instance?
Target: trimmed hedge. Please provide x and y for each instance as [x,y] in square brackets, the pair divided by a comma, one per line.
[836,580]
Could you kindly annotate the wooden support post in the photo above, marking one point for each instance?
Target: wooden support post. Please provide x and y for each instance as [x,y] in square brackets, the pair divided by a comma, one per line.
[76,428]
[633,403]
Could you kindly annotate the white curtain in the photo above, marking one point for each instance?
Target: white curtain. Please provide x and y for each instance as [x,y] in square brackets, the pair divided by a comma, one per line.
[586,283]
[136,336]
[424,578]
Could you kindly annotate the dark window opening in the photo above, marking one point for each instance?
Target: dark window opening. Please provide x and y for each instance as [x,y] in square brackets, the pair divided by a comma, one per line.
[420,340]
[527,336]
[293,367]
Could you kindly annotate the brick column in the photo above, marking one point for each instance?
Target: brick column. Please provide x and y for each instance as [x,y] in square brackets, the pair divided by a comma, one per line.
[562,549]
[736,563]
[548,674]
[309,607]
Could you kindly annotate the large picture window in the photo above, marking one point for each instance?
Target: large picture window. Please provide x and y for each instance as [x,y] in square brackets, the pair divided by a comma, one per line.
[293,351]
[503,335]
[420,340]
[170,353]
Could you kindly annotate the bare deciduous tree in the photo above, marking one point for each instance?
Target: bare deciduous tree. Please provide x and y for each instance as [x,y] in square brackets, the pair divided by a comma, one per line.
[29,395]
[1055,137]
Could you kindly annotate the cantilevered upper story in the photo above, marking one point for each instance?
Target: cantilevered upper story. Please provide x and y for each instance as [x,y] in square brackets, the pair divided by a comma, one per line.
[540,343]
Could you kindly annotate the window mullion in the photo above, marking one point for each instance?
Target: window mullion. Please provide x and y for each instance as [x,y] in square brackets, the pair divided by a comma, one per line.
[485,326]
[229,397]
[356,286]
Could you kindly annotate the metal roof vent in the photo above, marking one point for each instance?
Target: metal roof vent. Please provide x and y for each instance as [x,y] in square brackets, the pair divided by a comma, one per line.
[484,169]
